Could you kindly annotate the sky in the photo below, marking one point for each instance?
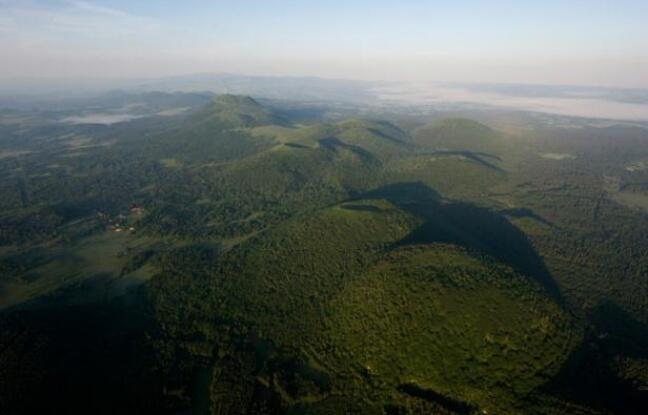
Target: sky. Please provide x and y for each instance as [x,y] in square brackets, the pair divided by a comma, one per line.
[594,42]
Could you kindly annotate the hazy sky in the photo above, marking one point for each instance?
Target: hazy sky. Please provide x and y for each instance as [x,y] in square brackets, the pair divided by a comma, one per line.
[569,42]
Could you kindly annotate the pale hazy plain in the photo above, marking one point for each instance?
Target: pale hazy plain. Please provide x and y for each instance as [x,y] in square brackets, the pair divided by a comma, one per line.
[590,105]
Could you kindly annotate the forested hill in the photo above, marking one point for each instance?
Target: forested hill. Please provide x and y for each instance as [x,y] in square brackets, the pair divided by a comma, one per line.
[230,257]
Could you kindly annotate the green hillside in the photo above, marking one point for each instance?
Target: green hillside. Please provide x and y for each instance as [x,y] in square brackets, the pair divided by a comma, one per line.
[234,259]
[234,111]
[372,318]
[456,134]
[465,327]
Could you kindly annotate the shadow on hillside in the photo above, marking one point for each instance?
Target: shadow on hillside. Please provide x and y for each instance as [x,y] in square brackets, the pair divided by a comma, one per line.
[474,156]
[525,213]
[385,136]
[467,225]
[588,378]
[333,144]
[78,359]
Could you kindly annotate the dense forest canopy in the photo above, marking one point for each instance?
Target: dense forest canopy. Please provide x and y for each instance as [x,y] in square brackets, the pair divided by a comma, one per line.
[232,255]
